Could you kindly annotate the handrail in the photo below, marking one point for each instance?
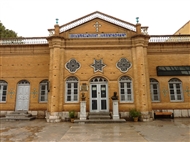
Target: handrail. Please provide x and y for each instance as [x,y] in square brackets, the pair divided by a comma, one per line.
[169,38]
[43,40]
[23,40]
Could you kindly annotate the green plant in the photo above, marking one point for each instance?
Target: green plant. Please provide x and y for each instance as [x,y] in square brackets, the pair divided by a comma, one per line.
[72,114]
[134,113]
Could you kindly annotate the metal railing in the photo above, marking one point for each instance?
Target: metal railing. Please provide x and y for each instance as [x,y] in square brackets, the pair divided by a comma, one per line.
[23,40]
[43,40]
[169,38]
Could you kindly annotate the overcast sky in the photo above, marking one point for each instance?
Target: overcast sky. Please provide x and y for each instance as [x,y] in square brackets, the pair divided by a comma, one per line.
[32,18]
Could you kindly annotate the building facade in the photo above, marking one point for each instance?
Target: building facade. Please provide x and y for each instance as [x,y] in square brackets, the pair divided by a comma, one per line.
[95,55]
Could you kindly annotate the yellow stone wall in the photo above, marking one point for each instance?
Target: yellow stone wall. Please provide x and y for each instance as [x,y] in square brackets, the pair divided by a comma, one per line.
[110,72]
[34,67]
[24,63]
[38,62]
[169,55]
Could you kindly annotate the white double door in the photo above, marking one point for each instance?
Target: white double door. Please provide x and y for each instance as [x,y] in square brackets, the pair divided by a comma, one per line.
[98,98]
[23,94]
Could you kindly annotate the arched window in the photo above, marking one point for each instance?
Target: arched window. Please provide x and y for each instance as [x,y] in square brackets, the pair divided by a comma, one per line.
[126,89]
[43,97]
[71,89]
[3,91]
[154,90]
[175,87]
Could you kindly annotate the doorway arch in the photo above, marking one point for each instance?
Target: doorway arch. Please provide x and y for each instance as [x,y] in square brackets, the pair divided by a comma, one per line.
[99,95]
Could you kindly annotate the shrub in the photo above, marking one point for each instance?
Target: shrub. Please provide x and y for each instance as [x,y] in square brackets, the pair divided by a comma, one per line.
[72,114]
[134,113]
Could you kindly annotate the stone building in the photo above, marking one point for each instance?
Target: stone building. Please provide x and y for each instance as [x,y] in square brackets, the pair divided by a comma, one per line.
[95,55]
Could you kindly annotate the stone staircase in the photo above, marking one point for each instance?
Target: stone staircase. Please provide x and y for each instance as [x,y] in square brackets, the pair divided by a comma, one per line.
[100,117]
[18,115]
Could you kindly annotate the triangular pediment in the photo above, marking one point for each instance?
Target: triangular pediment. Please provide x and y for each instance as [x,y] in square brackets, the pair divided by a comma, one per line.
[97,15]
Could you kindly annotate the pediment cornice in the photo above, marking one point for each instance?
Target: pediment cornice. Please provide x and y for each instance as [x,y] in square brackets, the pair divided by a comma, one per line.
[99,15]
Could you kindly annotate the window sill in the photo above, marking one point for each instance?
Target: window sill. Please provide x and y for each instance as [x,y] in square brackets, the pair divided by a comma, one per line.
[156,101]
[176,101]
[72,102]
[126,102]
[43,102]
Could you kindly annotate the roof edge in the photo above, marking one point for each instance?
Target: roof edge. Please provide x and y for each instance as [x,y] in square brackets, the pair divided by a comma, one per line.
[182,27]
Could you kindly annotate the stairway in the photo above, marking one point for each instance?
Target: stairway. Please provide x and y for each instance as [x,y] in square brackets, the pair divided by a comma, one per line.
[99,117]
[18,115]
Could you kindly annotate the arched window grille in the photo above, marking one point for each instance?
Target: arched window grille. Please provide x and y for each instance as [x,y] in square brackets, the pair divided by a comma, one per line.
[3,91]
[154,90]
[126,89]
[98,80]
[43,97]
[175,89]
[23,82]
[71,89]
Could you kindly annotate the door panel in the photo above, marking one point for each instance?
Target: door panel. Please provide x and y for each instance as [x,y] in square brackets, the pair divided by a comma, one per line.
[94,105]
[103,105]
[23,93]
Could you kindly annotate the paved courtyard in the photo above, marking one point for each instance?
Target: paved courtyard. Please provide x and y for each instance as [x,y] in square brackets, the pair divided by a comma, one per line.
[162,130]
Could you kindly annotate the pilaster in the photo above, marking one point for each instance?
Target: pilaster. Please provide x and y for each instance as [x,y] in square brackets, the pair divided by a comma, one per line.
[55,94]
[141,74]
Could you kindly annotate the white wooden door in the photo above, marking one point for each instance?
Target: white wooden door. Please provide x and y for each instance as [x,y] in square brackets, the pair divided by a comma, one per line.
[99,97]
[23,94]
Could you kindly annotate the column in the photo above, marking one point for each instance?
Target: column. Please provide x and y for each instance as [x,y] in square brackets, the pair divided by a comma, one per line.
[141,75]
[55,73]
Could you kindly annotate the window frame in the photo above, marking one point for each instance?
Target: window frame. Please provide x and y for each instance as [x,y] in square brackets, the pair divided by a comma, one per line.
[173,82]
[129,80]
[72,80]
[2,84]
[43,82]
[152,82]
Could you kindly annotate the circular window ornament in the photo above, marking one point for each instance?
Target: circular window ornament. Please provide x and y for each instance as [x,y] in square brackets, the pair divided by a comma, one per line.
[72,65]
[123,65]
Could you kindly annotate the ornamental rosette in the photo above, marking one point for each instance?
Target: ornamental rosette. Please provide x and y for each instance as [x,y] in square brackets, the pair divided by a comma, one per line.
[72,65]
[123,65]
[98,65]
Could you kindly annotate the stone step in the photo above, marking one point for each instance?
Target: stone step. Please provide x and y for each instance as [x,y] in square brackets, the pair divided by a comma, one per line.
[100,121]
[99,113]
[18,115]
[16,118]
[20,112]
[99,117]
